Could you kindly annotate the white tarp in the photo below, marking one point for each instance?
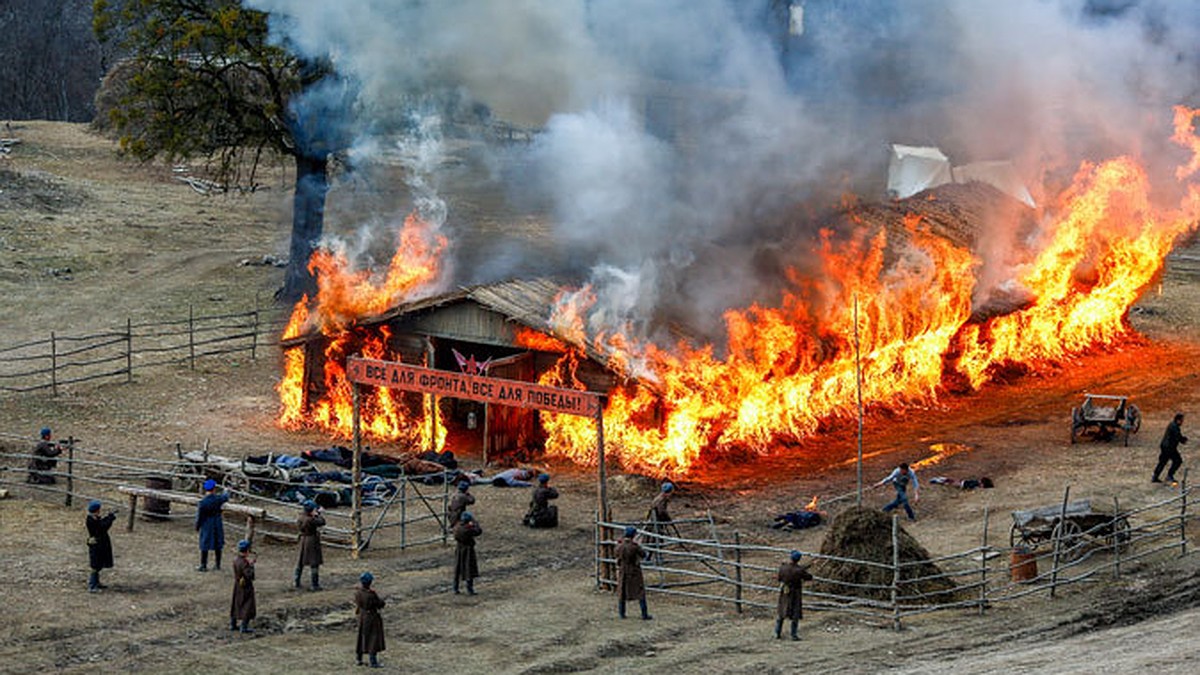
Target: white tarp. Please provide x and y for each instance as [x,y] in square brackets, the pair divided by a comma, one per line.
[1000,174]
[913,169]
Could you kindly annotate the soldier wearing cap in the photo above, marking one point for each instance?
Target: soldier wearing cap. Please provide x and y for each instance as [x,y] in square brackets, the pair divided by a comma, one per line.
[100,553]
[466,565]
[44,459]
[367,604]
[541,512]
[210,525]
[792,576]
[630,585]
[243,608]
[309,525]
[459,503]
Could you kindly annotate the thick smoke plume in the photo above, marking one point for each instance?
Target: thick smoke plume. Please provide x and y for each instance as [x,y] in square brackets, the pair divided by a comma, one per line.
[674,139]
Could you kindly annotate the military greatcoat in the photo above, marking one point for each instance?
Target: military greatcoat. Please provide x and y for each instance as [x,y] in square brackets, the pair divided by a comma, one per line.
[244,607]
[791,581]
[466,565]
[310,539]
[629,571]
[100,553]
[367,604]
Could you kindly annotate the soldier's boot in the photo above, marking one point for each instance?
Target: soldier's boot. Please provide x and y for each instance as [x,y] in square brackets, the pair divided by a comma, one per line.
[470,587]
[358,658]
[795,629]
[203,562]
[645,614]
[94,582]
[316,579]
[217,555]
[297,579]
[246,626]
[778,629]
[232,623]
[621,608]
[374,660]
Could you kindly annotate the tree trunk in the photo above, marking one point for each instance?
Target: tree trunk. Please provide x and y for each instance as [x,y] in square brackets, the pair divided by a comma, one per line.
[308,220]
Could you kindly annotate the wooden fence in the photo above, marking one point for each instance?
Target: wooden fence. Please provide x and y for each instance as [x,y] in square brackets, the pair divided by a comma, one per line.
[409,511]
[744,575]
[60,360]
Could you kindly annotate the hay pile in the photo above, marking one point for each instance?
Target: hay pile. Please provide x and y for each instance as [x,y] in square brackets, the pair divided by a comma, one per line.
[866,534]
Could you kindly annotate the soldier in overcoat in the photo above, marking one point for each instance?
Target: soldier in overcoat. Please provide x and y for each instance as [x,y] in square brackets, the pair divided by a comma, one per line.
[309,525]
[630,585]
[792,576]
[541,512]
[210,524]
[100,553]
[367,604]
[466,565]
[459,503]
[244,607]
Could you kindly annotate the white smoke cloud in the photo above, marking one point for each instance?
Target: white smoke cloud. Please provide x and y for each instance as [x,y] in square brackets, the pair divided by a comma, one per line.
[674,133]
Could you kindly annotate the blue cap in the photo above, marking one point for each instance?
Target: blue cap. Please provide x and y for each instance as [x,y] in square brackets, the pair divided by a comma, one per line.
[210,484]
[543,478]
[466,517]
[668,486]
[309,506]
[45,432]
[366,578]
[796,555]
[463,485]
[244,545]
[630,531]
[94,506]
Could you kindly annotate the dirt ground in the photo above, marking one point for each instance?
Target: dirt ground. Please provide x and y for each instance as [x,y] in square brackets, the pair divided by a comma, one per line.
[88,241]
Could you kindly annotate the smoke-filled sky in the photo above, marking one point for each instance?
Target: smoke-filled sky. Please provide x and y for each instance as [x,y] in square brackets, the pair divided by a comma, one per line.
[672,132]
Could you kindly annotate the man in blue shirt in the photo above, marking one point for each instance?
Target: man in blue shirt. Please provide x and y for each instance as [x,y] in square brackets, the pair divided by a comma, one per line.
[903,479]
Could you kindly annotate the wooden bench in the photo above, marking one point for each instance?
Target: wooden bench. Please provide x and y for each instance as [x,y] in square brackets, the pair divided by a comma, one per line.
[253,514]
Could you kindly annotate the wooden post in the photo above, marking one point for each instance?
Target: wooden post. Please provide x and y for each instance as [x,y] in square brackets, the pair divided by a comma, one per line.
[1062,517]
[70,469]
[601,472]
[404,514]
[132,512]
[737,570]
[191,337]
[983,558]
[1116,537]
[895,572]
[128,350]
[254,333]
[430,360]
[1183,492]
[486,410]
[53,365]
[858,386]
[596,547]
[356,507]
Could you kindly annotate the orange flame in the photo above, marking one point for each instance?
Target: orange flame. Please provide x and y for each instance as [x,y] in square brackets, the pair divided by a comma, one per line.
[346,295]
[790,368]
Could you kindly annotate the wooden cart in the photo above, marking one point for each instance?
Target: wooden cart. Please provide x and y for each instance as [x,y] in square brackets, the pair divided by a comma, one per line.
[1104,416]
[1075,527]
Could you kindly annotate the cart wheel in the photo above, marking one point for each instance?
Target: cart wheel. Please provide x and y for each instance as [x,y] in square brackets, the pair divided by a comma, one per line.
[237,485]
[1074,425]
[1121,536]
[1070,536]
[188,476]
[1012,536]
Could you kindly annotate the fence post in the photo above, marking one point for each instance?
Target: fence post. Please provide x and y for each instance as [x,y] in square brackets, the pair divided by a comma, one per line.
[1183,492]
[53,365]
[404,513]
[737,570]
[983,558]
[1058,532]
[895,572]
[254,333]
[596,547]
[1116,537]
[128,350]
[191,337]
[70,469]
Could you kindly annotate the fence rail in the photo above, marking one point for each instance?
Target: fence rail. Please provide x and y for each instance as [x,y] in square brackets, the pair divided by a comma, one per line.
[61,360]
[743,574]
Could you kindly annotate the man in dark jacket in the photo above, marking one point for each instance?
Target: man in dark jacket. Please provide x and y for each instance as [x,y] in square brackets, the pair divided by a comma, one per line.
[43,462]
[210,524]
[459,503]
[792,576]
[367,604]
[541,512]
[100,553]
[630,585]
[243,607]
[660,507]
[309,525]
[1168,449]
[466,565]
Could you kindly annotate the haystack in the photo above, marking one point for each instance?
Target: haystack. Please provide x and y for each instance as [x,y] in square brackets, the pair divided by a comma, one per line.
[866,534]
